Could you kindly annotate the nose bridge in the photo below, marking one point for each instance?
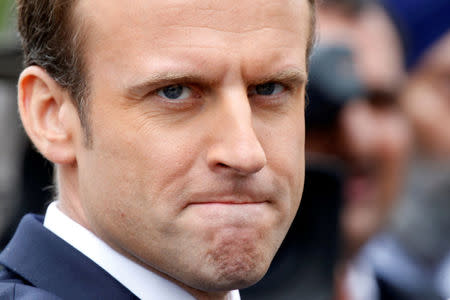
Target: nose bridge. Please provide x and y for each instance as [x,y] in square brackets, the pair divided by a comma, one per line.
[237,118]
[236,144]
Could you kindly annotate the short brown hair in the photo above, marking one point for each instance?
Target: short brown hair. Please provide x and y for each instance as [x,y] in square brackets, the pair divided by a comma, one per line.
[51,39]
[312,30]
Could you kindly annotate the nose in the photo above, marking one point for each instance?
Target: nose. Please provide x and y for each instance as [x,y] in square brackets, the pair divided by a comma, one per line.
[235,147]
[359,131]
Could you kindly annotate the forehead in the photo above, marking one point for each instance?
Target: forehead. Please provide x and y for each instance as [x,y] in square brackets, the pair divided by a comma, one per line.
[379,50]
[438,58]
[374,40]
[140,30]
[231,15]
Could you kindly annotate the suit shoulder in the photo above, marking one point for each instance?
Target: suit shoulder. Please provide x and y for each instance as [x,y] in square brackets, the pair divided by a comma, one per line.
[12,287]
[18,291]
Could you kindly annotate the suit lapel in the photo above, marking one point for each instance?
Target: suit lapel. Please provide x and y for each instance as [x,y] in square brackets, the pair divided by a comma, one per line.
[49,263]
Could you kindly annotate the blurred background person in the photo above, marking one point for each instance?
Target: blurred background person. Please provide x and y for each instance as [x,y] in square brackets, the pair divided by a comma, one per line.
[355,118]
[410,259]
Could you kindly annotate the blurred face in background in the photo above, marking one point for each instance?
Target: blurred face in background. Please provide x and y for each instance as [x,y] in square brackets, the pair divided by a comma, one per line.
[371,135]
[426,101]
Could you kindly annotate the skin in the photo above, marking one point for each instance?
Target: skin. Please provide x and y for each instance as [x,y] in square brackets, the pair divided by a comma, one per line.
[430,119]
[201,189]
[371,135]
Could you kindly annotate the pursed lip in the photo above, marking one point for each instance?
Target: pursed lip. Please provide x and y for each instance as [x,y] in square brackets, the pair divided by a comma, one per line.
[230,199]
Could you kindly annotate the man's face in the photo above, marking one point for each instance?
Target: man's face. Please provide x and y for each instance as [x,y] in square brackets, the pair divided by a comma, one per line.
[196,110]
[374,133]
[426,100]
[371,136]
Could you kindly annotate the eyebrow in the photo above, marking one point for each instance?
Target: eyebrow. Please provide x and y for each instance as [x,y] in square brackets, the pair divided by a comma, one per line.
[291,75]
[165,78]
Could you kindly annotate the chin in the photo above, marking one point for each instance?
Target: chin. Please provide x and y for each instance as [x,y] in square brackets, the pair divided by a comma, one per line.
[235,265]
[242,274]
[231,280]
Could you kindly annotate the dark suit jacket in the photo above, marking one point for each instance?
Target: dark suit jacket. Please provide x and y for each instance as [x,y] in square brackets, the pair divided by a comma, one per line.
[40,265]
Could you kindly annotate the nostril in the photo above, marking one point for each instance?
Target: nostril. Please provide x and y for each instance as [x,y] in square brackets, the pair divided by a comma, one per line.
[238,163]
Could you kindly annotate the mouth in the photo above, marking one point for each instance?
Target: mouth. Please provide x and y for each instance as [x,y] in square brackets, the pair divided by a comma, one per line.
[228,199]
[360,185]
[230,209]
[227,205]
[219,204]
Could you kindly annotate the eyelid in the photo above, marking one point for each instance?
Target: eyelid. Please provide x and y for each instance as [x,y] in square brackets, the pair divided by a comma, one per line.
[195,89]
[286,87]
[180,104]
[161,90]
[290,79]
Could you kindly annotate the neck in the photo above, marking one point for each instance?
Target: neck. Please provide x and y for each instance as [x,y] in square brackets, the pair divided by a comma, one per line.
[68,194]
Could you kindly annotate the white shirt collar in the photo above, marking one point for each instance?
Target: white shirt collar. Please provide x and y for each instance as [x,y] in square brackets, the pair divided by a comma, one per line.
[139,280]
[360,280]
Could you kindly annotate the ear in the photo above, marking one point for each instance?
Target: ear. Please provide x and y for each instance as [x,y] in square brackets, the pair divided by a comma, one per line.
[48,115]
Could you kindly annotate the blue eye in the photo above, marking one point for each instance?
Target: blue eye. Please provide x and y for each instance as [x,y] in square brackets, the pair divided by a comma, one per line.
[267,89]
[175,92]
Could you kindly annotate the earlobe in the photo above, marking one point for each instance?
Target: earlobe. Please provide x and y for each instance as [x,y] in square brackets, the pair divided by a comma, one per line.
[43,107]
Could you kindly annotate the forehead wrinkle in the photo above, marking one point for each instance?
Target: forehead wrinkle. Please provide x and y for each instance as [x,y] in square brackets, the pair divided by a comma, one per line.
[230,45]
[240,31]
[229,21]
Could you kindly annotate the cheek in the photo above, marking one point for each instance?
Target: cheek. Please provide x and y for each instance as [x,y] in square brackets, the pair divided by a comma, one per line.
[393,158]
[396,139]
[135,191]
[284,138]
[429,113]
[420,106]
[127,165]
[394,150]
[284,146]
